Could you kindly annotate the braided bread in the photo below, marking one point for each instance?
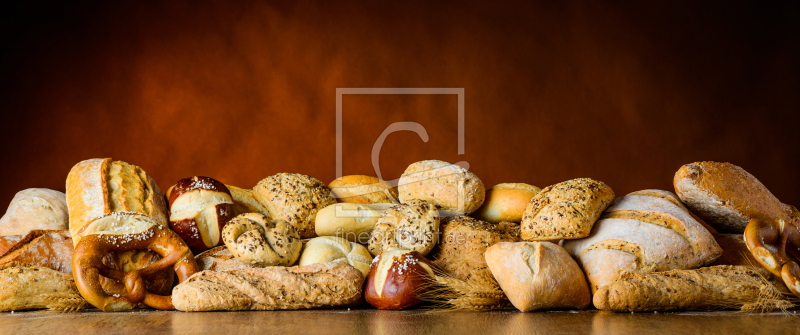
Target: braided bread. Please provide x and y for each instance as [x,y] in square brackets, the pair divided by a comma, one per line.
[272,288]
[413,225]
[336,249]
[255,239]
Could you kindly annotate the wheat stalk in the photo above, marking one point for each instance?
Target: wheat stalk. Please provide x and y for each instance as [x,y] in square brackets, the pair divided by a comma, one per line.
[65,302]
[480,292]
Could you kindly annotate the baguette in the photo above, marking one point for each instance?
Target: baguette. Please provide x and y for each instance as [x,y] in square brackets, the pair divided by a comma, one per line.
[271,288]
[717,287]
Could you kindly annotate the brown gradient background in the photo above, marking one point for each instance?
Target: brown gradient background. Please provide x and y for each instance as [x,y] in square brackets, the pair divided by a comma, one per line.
[554,90]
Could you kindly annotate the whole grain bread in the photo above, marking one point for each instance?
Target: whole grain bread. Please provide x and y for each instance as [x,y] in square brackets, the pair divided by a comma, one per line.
[717,287]
[272,288]
[294,198]
[25,287]
[566,210]
[726,196]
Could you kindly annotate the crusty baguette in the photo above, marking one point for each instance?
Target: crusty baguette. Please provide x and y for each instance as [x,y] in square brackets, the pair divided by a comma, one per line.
[271,288]
[24,287]
[717,287]
[726,196]
[48,248]
[112,197]
[35,209]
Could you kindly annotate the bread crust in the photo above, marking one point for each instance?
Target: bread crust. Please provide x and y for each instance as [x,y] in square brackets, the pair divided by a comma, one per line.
[726,196]
[294,198]
[451,187]
[35,209]
[506,202]
[47,248]
[220,259]
[566,210]
[538,275]
[361,189]
[25,287]
[244,202]
[413,225]
[336,249]
[460,253]
[254,238]
[353,222]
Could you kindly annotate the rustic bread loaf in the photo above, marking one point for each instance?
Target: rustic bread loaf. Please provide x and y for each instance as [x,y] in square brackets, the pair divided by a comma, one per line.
[254,238]
[220,259]
[717,287]
[646,230]
[272,288]
[111,197]
[413,225]
[353,222]
[538,275]
[566,210]
[451,187]
[294,198]
[726,196]
[360,189]
[47,248]
[464,241]
[25,287]
[325,249]
[35,209]
[506,202]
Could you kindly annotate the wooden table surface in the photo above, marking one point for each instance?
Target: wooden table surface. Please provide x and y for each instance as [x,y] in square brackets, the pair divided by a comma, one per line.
[370,321]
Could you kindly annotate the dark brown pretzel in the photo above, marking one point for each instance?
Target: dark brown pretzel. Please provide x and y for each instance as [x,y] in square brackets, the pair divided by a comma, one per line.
[769,240]
[87,266]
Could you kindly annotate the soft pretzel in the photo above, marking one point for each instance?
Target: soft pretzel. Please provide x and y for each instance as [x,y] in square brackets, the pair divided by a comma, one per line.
[413,225]
[255,239]
[87,265]
[769,240]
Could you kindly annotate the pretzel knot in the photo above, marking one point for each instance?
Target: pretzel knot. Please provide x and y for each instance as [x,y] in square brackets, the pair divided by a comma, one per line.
[87,266]
[769,240]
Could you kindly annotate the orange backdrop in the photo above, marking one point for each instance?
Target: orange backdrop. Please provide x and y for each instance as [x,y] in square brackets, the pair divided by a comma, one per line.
[553,90]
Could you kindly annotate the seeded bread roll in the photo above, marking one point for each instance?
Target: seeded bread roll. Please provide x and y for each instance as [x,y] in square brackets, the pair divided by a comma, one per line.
[566,210]
[538,275]
[451,187]
[359,189]
[464,242]
[413,225]
[294,198]
[335,249]
[35,209]
[648,230]
[353,222]
[256,239]
[506,202]
[726,196]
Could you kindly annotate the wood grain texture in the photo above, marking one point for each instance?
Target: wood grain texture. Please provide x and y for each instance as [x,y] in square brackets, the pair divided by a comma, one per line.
[370,321]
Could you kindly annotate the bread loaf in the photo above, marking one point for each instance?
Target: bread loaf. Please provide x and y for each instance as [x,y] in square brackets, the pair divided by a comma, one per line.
[353,222]
[244,202]
[111,197]
[25,287]
[359,189]
[256,239]
[566,210]
[506,202]
[46,248]
[717,287]
[538,275]
[294,198]
[220,259]
[451,187]
[199,209]
[464,241]
[646,230]
[325,249]
[35,209]
[413,225]
[272,288]
[726,196]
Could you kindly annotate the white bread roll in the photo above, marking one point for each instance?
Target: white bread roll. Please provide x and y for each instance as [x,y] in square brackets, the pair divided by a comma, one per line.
[506,202]
[353,222]
[360,189]
[35,209]
[335,249]
[538,275]
[446,185]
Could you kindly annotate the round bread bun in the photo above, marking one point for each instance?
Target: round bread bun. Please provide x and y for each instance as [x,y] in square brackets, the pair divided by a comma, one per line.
[336,249]
[413,225]
[454,189]
[360,189]
[294,198]
[506,202]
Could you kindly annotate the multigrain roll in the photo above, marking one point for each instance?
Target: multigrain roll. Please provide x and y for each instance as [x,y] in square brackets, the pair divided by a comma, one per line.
[294,198]
[451,187]
[360,189]
[506,202]
[566,210]
[465,240]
